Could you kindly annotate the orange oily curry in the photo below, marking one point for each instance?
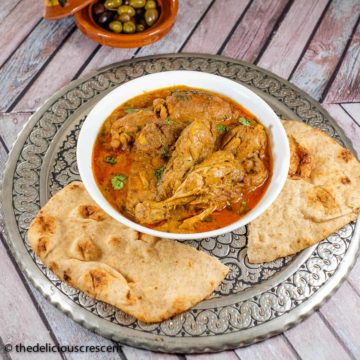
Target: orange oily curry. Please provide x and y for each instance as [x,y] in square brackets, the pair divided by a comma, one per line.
[320,196]
[149,278]
[182,160]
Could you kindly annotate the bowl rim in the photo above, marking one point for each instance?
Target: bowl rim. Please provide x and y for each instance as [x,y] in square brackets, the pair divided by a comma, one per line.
[276,183]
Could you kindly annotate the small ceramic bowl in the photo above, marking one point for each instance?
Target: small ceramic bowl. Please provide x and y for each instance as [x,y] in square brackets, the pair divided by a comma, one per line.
[240,94]
[86,23]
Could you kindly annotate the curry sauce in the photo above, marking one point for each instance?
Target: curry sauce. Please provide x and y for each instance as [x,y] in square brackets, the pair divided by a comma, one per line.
[159,159]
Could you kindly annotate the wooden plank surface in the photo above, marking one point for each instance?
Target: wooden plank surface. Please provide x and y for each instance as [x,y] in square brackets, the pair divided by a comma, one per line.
[326,47]
[7,7]
[219,20]
[189,14]
[276,348]
[291,37]
[255,28]
[313,340]
[30,57]
[353,110]
[346,87]
[18,317]
[59,71]
[347,124]
[25,16]
[342,312]
[316,43]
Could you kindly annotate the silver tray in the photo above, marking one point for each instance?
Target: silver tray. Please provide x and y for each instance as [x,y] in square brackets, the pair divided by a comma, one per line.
[254,302]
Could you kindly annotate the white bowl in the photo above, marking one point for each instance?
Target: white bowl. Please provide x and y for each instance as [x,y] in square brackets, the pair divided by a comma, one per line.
[235,91]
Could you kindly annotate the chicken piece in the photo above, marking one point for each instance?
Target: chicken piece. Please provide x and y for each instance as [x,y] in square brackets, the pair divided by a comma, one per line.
[187,106]
[210,185]
[248,144]
[256,173]
[157,135]
[142,180]
[194,144]
[147,157]
[124,130]
[246,141]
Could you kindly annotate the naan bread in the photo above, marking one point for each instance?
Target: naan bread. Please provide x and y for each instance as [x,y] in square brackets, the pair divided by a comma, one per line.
[147,277]
[320,196]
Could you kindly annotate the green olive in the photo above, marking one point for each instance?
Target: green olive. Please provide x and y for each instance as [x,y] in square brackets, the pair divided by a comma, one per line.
[112,4]
[150,4]
[129,27]
[137,4]
[116,27]
[124,17]
[151,16]
[140,27]
[126,9]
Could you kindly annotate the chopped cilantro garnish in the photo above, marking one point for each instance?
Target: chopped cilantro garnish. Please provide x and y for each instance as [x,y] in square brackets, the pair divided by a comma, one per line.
[168,120]
[129,111]
[117,181]
[164,152]
[244,121]
[158,172]
[110,159]
[243,203]
[221,128]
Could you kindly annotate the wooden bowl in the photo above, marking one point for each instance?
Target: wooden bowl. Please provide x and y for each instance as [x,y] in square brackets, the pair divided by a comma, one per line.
[86,23]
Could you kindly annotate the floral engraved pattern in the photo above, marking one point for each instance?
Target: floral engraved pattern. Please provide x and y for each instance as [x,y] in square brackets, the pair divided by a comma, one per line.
[231,308]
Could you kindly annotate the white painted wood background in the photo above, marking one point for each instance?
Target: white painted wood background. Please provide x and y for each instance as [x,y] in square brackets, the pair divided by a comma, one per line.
[314,44]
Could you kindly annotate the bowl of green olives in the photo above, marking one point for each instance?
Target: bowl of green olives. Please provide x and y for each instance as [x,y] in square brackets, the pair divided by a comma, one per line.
[127,23]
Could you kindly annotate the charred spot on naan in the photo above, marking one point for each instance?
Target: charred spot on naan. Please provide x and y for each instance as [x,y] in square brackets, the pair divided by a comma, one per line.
[44,224]
[345,155]
[85,250]
[345,180]
[42,246]
[92,212]
[320,197]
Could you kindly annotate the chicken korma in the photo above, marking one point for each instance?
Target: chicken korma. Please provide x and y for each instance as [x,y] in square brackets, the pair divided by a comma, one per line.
[182,160]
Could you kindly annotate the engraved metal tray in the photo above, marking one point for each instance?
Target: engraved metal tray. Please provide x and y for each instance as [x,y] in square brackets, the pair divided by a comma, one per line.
[254,302]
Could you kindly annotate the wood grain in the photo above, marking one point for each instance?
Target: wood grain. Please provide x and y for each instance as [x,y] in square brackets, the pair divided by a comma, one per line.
[40,66]
[322,56]
[275,348]
[254,29]
[225,355]
[68,332]
[11,125]
[342,312]
[290,39]
[138,354]
[29,58]
[106,56]
[313,340]
[354,277]
[349,126]
[7,7]
[60,71]
[346,86]
[353,110]
[189,13]
[215,26]
[20,316]
[15,27]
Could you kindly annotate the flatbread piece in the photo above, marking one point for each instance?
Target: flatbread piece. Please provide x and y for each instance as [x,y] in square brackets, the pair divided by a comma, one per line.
[147,277]
[320,196]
